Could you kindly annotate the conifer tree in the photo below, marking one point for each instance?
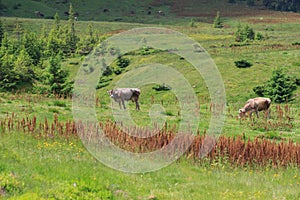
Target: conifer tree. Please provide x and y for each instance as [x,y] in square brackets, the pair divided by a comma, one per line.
[71,38]
[1,32]
[217,21]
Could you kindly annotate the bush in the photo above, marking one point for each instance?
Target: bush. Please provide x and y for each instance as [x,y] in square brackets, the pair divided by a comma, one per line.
[217,21]
[297,81]
[107,71]
[117,71]
[123,62]
[162,87]
[279,88]
[59,103]
[242,64]
[10,185]
[259,36]
[295,43]
[146,51]
[244,33]
[103,82]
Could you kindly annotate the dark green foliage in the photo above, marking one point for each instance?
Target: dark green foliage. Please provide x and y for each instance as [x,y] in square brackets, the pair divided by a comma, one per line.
[86,44]
[117,71]
[123,62]
[71,37]
[1,32]
[259,36]
[32,46]
[146,51]
[259,90]
[279,88]
[107,71]
[103,82]
[59,103]
[57,77]
[217,21]
[162,87]
[192,23]
[244,33]
[250,2]
[283,5]
[297,81]
[242,64]
[295,43]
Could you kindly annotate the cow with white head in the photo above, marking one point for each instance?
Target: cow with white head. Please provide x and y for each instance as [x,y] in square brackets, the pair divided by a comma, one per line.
[121,95]
[255,105]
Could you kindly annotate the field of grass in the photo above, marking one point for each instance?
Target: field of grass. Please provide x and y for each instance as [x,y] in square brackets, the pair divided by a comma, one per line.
[61,168]
[34,166]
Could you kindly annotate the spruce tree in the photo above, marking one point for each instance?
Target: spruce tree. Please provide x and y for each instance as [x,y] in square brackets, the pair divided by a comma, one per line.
[71,38]
[1,32]
[217,21]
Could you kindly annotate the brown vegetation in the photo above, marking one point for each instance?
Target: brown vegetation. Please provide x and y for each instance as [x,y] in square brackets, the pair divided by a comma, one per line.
[235,150]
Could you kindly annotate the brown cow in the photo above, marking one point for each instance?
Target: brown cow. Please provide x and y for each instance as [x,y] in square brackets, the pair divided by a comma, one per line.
[255,105]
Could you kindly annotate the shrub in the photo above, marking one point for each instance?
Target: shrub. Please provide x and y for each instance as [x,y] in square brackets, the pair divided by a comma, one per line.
[103,82]
[192,23]
[244,33]
[107,71]
[123,62]
[295,43]
[10,185]
[162,87]
[59,103]
[53,110]
[242,64]
[217,21]
[146,51]
[117,71]
[259,36]
[279,88]
[297,81]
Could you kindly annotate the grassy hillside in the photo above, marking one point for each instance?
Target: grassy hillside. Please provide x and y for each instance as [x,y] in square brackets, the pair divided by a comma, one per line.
[145,11]
[41,164]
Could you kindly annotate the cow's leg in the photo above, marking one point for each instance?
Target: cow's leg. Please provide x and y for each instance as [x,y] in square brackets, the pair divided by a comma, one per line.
[250,114]
[256,111]
[123,103]
[268,113]
[137,105]
[120,104]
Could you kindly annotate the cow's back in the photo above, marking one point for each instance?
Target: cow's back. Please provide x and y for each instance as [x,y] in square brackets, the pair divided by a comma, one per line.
[262,103]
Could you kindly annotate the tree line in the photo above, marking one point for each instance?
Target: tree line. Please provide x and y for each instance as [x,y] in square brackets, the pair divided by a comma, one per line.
[279,5]
[33,61]
[283,5]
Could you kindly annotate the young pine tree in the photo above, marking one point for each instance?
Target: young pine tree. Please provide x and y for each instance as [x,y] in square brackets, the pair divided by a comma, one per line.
[279,88]
[217,21]
[1,32]
[57,76]
[71,38]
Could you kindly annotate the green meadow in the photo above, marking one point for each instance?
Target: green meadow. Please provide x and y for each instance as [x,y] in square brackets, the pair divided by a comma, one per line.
[34,165]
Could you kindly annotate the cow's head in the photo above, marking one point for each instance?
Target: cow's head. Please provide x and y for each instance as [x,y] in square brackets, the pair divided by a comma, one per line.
[110,92]
[242,112]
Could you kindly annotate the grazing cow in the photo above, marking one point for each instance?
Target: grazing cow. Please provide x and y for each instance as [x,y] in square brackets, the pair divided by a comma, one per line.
[255,105]
[121,95]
